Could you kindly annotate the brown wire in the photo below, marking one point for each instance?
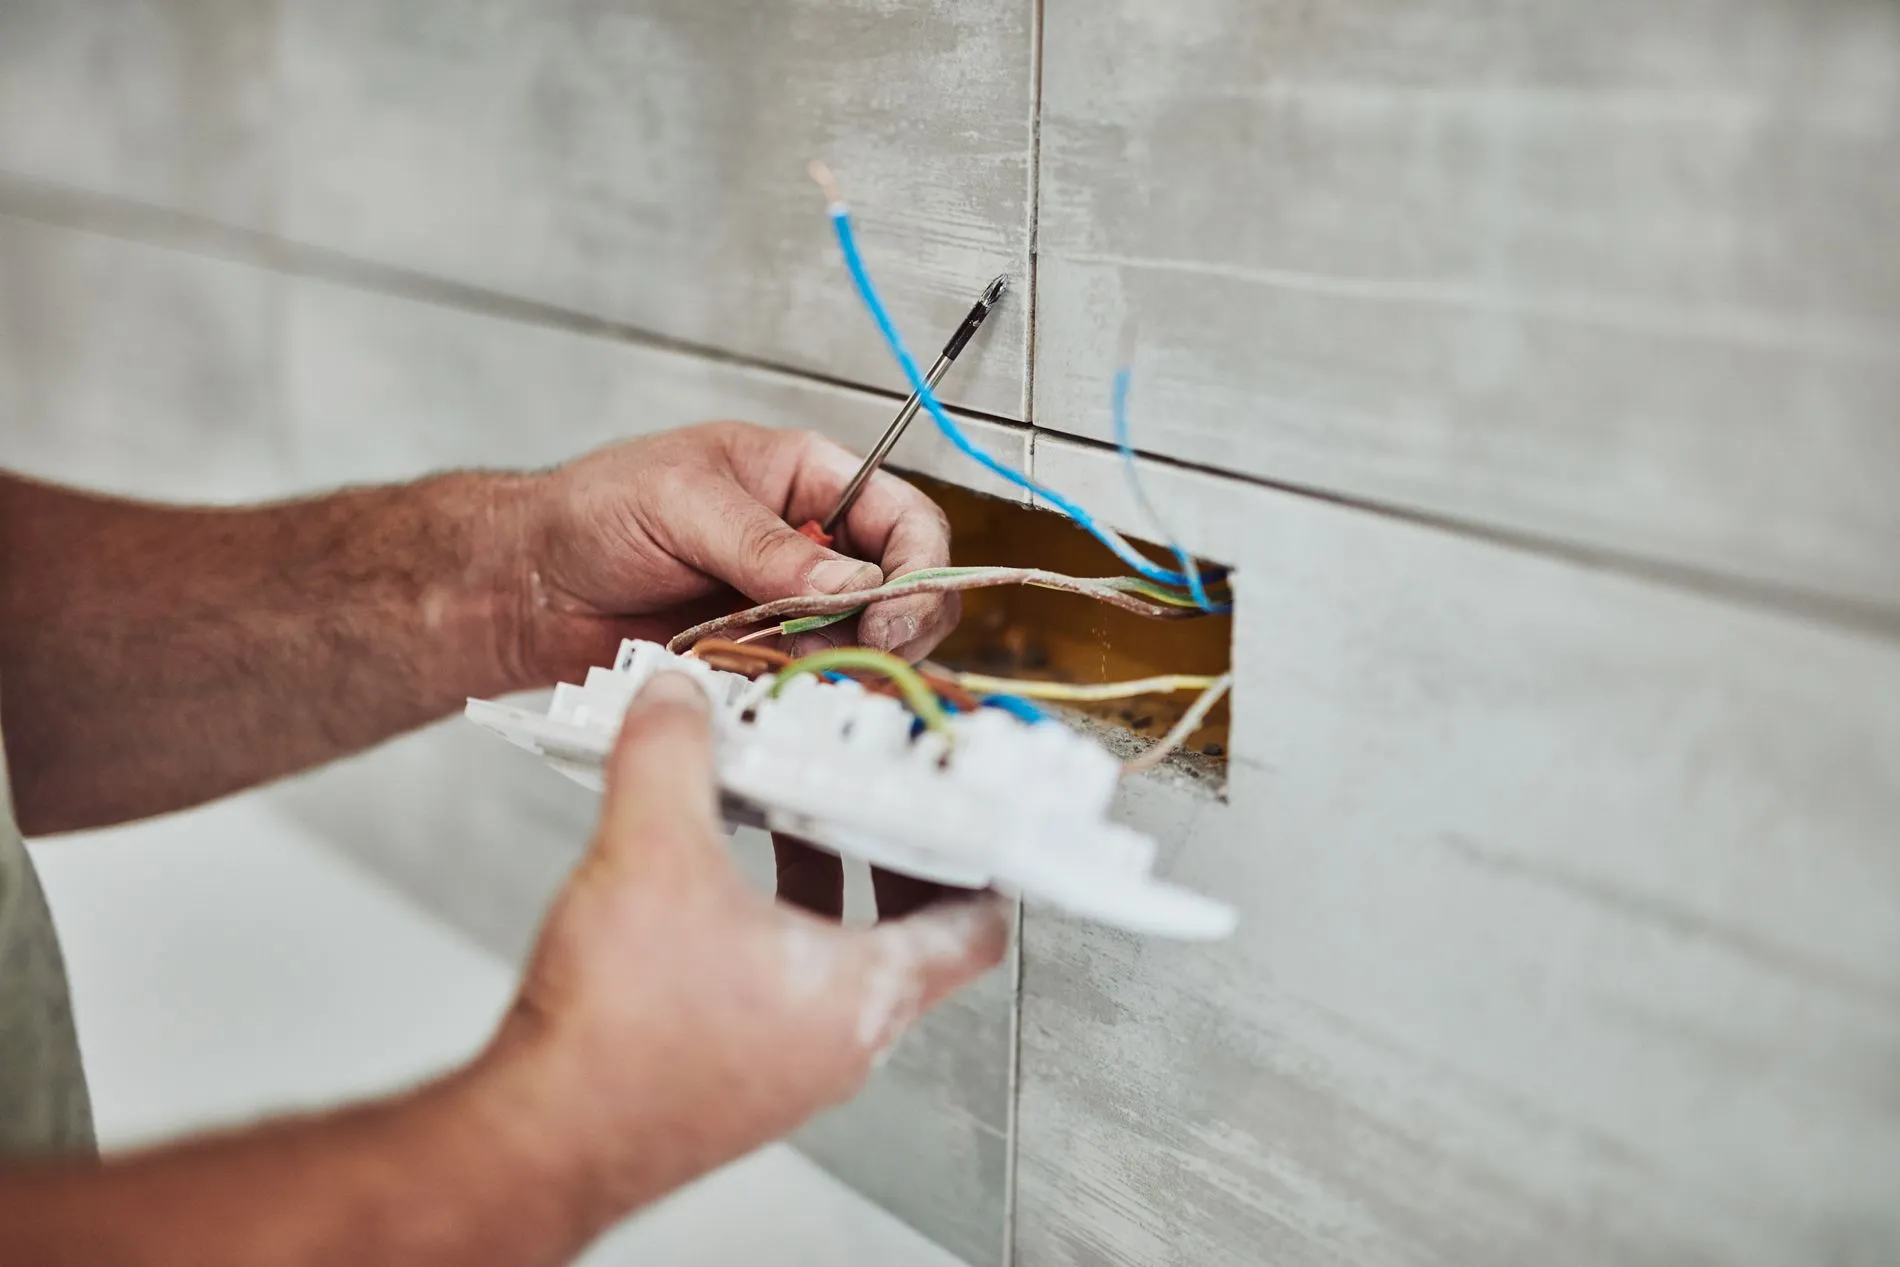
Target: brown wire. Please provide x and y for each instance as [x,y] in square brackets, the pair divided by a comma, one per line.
[950,690]
[747,659]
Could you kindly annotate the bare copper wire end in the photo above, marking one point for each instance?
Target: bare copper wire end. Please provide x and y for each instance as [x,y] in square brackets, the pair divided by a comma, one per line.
[825,181]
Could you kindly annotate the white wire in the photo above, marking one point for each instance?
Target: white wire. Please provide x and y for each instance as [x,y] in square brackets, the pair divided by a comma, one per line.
[1178,733]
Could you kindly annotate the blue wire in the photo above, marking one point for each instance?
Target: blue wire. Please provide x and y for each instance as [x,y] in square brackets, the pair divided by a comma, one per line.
[1017,706]
[847,242]
[1119,408]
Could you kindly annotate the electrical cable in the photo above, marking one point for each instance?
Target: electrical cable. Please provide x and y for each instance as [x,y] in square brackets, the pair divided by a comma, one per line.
[1197,712]
[1125,584]
[1090,693]
[805,624]
[1119,409]
[738,657]
[1115,591]
[1019,708]
[840,214]
[1162,594]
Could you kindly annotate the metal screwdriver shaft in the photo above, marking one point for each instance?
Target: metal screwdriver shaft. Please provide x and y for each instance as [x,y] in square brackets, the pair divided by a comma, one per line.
[888,441]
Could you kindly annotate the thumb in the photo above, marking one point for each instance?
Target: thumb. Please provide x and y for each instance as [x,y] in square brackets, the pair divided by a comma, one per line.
[741,542]
[661,793]
[912,964]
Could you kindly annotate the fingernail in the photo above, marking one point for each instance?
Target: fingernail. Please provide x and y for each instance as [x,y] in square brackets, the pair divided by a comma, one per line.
[672,688]
[835,576]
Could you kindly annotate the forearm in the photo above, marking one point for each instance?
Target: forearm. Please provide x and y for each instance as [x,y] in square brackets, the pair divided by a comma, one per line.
[155,657]
[457,1175]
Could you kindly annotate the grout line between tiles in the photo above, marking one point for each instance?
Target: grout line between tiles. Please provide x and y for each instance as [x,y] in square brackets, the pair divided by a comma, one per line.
[1858,616]
[189,233]
[1033,282]
[1012,1113]
[1012,1141]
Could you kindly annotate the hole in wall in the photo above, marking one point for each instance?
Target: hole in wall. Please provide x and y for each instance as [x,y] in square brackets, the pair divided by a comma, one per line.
[1017,631]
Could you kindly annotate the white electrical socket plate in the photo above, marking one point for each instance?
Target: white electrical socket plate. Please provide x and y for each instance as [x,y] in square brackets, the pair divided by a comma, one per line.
[1007,804]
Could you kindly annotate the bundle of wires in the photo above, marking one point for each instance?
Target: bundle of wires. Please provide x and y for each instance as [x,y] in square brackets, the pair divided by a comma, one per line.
[806,612]
[934,695]
[1188,576]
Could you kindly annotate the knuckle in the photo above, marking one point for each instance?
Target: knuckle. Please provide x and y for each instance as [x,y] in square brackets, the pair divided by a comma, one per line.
[717,443]
[760,538]
[739,430]
[820,452]
[812,440]
[789,445]
[915,497]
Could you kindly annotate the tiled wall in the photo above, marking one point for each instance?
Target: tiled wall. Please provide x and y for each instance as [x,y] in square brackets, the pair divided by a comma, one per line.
[1534,364]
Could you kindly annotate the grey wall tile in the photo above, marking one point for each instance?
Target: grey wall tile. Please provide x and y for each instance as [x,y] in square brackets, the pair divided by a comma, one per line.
[379,388]
[645,162]
[641,162]
[1619,275]
[161,101]
[1570,927]
[136,369]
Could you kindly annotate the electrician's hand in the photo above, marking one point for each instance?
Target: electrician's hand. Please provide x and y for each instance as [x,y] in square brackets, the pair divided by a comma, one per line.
[674,1018]
[647,537]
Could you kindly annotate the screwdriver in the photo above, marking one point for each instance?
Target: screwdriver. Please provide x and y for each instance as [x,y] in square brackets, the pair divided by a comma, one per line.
[824,533]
